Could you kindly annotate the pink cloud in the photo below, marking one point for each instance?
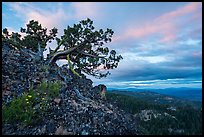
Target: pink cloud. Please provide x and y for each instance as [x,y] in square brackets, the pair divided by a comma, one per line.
[187,9]
[55,18]
[84,10]
[50,19]
[58,18]
[166,25]
[47,19]
[197,54]
[168,37]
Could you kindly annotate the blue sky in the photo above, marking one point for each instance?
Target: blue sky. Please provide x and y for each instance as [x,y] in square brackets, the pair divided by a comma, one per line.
[161,42]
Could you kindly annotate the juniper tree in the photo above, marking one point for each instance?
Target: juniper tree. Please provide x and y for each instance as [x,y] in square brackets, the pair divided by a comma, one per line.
[83,48]
[36,37]
[13,38]
[81,45]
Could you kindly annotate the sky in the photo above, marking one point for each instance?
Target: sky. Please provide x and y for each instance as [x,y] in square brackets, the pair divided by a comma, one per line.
[160,42]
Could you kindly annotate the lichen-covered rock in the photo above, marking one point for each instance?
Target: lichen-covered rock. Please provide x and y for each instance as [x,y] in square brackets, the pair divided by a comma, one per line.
[67,114]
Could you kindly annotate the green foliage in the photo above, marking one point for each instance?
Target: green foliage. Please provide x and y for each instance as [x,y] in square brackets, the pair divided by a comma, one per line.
[5,32]
[71,67]
[21,109]
[49,90]
[37,34]
[13,39]
[84,43]
[29,107]
[45,68]
[187,119]
[131,104]
[53,89]
[89,55]
[30,42]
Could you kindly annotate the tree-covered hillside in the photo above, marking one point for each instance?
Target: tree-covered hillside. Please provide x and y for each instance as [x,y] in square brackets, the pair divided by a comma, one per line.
[159,118]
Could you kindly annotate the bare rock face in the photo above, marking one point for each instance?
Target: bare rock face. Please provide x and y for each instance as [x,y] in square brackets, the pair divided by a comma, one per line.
[67,115]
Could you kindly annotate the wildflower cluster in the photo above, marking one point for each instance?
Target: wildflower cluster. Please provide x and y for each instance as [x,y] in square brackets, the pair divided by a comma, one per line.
[30,106]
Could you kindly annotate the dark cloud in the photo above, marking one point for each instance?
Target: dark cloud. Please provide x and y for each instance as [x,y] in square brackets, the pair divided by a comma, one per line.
[157,71]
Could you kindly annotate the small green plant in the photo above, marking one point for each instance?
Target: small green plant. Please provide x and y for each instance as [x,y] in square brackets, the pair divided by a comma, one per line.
[49,89]
[29,107]
[54,89]
[45,68]
[20,109]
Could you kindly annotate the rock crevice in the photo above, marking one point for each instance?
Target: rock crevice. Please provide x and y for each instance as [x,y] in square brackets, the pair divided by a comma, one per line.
[78,109]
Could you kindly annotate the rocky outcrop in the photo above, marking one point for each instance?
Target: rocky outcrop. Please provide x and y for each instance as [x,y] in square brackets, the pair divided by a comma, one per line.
[68,114]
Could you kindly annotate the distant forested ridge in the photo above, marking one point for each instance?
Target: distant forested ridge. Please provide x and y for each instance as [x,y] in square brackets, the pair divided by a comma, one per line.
[160,117]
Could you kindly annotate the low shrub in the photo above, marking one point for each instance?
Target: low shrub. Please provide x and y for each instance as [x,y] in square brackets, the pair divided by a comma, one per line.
[30,106]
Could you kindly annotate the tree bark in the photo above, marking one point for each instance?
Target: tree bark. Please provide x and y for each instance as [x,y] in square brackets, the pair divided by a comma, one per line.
[80,96]
[60,54]
[40,52]
[65,53]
